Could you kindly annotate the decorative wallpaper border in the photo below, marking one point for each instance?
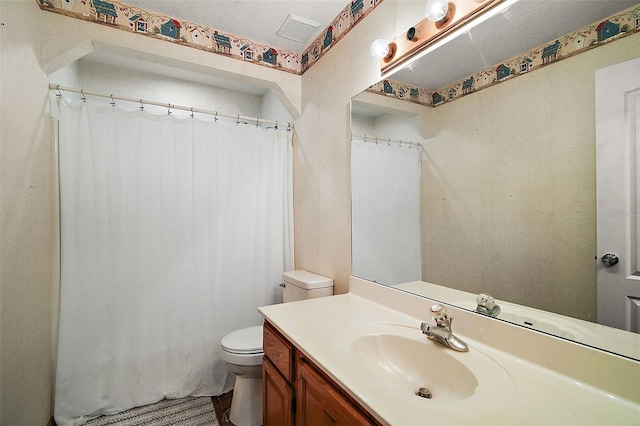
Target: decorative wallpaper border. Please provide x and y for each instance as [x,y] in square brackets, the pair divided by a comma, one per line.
[134,19]
[598,34]
[339,27]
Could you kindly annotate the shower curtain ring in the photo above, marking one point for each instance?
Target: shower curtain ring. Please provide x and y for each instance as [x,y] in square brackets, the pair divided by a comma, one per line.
[276,125]
[192,112]
[169,110]
[113,102]
[257,122]
[365,138]
[141,105]
[388,141]
[59,92]
[84,98]
[215,118]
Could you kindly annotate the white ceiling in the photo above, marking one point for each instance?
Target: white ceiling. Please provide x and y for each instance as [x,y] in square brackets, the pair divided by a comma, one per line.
[256,20]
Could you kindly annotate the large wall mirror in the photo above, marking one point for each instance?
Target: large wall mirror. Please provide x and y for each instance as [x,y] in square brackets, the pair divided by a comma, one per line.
[493,191]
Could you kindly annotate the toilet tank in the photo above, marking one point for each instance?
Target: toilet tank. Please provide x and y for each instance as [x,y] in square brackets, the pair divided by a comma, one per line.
[301,284]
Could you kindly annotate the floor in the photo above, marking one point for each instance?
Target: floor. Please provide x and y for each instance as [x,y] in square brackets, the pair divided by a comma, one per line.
[222,405]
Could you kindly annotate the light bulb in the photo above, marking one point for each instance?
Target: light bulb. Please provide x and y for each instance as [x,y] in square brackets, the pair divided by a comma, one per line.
[437,9]
[379,48]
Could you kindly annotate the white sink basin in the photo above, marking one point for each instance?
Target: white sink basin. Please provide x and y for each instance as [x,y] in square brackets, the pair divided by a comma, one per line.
[402,360]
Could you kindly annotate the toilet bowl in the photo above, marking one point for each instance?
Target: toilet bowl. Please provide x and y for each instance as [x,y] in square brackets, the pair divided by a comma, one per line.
[241,350]
[242,354]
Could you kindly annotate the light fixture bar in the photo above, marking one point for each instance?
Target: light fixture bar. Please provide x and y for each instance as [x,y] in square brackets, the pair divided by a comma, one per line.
[428,32]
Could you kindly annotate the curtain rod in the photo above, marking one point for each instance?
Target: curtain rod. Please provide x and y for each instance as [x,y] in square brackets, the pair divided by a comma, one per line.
[376,140]
[170,106]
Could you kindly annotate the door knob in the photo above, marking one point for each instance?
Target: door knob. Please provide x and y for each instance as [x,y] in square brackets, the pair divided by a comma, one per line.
[609,260]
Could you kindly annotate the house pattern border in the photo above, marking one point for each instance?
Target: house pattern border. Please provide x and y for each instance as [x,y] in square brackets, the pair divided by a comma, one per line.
[595,35]
[140,21]
[147,23]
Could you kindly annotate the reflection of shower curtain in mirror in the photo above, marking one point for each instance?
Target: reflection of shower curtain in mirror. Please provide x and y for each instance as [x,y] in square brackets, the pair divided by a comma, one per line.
[173,233]
[385,192]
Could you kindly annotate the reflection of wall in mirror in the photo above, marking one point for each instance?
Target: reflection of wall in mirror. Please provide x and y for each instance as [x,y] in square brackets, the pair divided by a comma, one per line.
[509,187]
[385,126]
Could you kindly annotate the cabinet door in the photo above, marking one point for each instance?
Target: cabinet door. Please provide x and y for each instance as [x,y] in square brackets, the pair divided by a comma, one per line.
[277,397]
[320,403]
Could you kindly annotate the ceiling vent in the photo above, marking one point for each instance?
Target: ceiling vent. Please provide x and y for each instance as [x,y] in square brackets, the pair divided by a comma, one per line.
[297,28]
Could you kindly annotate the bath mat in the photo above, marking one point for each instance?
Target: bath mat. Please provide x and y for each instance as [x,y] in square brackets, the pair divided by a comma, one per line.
[190,411]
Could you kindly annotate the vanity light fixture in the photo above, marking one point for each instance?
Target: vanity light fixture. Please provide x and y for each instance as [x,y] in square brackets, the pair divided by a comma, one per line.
[383,50]
[440,12]
[443,18]
[413,34]
[437,10]
[379,48]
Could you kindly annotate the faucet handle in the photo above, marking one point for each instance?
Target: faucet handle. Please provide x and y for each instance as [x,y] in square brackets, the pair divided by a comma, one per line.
[485,300]
[437,310]
[440,315]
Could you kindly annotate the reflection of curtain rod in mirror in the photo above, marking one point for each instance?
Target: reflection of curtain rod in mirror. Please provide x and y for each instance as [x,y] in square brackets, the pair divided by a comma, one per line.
[426,33]
[375,140]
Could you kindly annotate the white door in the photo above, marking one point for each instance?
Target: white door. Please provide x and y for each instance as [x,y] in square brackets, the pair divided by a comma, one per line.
[618,194]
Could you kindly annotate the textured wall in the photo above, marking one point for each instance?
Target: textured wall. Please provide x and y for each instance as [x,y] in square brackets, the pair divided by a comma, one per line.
[322,189]
[26,368]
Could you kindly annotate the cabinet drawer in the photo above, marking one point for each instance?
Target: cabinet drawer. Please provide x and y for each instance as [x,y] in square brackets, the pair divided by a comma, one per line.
[278,350]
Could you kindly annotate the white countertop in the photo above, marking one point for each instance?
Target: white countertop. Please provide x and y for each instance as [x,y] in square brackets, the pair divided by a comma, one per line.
[539,395]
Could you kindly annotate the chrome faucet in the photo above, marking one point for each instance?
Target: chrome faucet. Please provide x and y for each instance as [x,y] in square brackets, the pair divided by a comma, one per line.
[487,305]
[441,332]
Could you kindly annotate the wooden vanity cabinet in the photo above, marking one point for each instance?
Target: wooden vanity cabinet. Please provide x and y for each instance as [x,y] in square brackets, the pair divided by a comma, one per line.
[278,394]
[297,392]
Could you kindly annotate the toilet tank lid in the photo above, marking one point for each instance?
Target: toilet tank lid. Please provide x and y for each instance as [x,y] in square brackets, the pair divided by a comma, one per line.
[307,280]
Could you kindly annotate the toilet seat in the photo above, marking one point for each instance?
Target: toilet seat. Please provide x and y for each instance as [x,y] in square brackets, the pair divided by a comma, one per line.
[246,341]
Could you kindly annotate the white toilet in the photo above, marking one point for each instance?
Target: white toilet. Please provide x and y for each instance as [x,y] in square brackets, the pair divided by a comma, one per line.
[242,349]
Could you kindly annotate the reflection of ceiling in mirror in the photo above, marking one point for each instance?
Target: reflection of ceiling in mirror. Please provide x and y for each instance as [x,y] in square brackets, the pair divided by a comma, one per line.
[532,33]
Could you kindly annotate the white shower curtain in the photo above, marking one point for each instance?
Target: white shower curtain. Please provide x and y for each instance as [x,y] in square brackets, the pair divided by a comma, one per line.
[173,232]
[385,205]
